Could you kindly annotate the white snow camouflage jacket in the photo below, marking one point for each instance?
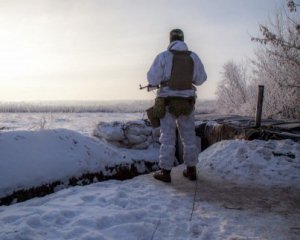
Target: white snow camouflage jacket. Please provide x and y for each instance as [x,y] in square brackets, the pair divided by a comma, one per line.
[161,68]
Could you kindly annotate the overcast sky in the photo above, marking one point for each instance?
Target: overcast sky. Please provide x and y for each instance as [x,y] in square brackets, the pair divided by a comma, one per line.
[102,49]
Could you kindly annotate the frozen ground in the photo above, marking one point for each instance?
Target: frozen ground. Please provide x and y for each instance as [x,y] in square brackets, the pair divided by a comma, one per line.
[246,190]
[143,208]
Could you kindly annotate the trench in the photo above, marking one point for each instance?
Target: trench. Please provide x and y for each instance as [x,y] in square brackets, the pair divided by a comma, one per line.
[210,129]
[117,172]
[214,129]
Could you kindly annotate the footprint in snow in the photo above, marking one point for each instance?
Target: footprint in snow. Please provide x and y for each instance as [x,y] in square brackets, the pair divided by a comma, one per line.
[88,198]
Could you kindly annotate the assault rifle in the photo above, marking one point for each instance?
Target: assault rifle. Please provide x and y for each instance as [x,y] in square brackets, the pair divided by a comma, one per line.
[163,84]
[149,87]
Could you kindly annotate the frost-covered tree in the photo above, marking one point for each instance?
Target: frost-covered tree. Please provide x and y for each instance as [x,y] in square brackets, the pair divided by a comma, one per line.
[277,63]
[232,90]
[275,99]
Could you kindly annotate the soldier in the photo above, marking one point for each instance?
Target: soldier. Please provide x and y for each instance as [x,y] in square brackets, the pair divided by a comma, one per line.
[176,71]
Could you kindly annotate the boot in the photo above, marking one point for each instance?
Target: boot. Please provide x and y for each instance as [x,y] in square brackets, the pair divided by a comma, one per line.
[190,173]
[163,175]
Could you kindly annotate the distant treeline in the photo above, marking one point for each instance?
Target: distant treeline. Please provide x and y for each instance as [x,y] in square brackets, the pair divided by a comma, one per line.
[129,106]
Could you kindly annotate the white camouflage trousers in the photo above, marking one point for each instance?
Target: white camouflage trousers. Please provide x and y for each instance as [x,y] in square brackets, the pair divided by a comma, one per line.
[186,129]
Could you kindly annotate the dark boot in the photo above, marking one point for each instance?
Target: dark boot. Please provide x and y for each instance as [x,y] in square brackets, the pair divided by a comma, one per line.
[163,175]
[190,173]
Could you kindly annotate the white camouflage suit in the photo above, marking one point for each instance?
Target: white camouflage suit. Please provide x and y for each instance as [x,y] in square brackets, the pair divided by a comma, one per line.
[160,71]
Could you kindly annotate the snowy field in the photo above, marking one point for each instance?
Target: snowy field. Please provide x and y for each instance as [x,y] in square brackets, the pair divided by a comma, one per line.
[84,123]
[78,116]
[246,190]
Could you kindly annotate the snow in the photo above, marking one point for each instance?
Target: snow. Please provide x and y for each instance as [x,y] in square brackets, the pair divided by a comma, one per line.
[32,158]
[253,163]
[246,190]
[132,134]
[141,208]
[112,132]
[81,122]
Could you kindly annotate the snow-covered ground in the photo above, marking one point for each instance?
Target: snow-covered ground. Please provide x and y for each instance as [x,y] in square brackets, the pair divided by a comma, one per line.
[245,190]
[34,158]
[84,123]
[253,163]
[143,208]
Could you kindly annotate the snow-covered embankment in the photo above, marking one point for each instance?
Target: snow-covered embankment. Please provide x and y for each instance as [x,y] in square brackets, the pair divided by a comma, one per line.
[273,163]
[34,163]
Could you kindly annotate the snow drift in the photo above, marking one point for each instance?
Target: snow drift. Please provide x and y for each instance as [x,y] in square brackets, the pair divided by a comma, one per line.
[252,163]
[33,158]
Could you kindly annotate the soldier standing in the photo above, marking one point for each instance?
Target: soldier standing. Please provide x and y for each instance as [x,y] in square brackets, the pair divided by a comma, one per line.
[176,70]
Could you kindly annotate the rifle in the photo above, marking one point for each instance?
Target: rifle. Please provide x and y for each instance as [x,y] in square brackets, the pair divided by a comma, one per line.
[149,87]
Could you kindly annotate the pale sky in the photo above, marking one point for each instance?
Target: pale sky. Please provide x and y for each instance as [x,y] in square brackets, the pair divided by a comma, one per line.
[102,49]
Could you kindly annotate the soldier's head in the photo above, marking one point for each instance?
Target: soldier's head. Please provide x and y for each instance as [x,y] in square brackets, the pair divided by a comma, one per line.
[176,34]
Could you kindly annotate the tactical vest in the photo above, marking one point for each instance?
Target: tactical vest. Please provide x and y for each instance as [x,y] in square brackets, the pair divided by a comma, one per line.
[182,71]
[181,79]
